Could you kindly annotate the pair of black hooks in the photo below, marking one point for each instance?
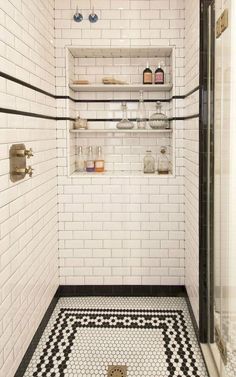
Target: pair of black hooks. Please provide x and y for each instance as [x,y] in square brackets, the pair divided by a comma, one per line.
[78,17]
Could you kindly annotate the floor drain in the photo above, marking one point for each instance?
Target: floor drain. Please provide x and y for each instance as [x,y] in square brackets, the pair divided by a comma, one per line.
[117,371]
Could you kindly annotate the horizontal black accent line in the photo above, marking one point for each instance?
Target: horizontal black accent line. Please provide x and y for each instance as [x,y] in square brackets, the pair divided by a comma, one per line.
[188,94]
[116,100]
[129,100]
[26,113]
[134,119]
[33,115]
[23,83]
[33,87]
[192,91]
[122,290]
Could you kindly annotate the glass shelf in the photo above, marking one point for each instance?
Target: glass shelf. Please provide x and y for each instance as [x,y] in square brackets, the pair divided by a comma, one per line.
[120,88]
[119,174]
[122,131]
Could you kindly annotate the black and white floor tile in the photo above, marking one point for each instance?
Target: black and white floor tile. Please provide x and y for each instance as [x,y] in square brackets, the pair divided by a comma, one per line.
[152,337]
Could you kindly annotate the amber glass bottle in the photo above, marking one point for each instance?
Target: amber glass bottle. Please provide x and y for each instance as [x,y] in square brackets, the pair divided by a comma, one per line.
[147,75]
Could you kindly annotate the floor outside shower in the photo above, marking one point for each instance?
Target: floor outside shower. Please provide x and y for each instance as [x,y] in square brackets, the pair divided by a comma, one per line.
[152,337]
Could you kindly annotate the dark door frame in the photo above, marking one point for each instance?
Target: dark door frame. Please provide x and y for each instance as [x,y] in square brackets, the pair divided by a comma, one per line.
[206,180]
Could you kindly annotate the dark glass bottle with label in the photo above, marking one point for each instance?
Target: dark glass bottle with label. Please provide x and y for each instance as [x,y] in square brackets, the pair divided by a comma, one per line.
[147,75]
[159,75]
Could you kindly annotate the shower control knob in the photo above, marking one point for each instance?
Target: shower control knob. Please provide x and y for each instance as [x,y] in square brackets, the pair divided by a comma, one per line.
[24,171]
[29,153]
[24,152]
[29,171]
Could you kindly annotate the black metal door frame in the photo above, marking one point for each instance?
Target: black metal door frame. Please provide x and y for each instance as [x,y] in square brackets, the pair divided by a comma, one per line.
[206,182]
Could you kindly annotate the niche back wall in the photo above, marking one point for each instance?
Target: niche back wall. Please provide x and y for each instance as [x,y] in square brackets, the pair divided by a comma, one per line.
[116,230]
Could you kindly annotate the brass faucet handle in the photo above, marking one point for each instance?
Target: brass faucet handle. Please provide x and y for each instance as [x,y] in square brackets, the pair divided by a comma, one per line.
[24,152]
[29,153]
[29,171]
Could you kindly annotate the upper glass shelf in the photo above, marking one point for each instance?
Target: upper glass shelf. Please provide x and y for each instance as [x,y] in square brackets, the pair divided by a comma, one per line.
[120,88]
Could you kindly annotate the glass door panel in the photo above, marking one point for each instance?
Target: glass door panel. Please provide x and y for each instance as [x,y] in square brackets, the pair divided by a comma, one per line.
[225,192]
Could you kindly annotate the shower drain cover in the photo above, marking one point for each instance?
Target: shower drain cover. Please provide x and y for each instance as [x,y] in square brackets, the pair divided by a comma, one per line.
[117,371]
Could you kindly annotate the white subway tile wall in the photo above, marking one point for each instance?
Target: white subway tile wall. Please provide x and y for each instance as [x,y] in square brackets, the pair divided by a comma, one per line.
[28,209]
[191,154]
[120,230]
[112,230]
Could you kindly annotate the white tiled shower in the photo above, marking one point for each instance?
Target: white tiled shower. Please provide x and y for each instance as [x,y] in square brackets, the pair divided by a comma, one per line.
[61,229]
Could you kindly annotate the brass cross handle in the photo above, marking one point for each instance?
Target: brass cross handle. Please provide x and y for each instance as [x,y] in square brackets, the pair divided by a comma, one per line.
[24,152]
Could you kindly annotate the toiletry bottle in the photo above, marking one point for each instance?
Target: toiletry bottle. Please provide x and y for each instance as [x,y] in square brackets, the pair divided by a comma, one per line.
[159,75]
[124,123]
[99,161]
[149,163]
[90,160]
[158,120]
[80,164]
[163,162]
[141,113]
[147,75]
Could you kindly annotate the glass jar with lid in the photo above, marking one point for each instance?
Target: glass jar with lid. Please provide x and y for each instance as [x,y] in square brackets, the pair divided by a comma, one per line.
[124,123]
[158,120]
[163,162]
[149,163]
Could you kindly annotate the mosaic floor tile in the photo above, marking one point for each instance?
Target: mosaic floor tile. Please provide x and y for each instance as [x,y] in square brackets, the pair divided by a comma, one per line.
[85,336]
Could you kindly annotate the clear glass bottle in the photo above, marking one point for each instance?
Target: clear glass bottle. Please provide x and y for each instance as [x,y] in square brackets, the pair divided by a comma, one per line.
[141,113]
[80,160]
[124,123]
[158,120]
[90,160]
[99,161]
[163,162]
[149,163]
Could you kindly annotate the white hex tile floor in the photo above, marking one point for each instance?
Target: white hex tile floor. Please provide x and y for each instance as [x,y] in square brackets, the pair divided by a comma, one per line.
[152,337]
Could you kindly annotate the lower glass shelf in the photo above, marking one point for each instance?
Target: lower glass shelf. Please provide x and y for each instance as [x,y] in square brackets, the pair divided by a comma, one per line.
[122,173]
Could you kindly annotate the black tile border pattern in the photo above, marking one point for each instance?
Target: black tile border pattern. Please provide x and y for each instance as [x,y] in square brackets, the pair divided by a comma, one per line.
[64,331]
[102,290]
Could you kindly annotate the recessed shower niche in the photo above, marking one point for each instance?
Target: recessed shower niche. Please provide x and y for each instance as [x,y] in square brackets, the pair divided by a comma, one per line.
[101,104]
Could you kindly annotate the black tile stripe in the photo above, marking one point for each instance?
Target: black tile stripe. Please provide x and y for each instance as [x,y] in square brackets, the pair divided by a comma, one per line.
[37,89]
[33,115]
[23,83]
[36,115]
[122,290]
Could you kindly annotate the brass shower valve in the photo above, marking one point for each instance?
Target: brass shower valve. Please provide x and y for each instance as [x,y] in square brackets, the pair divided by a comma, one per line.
[18,154]
[24,153]
[24,171]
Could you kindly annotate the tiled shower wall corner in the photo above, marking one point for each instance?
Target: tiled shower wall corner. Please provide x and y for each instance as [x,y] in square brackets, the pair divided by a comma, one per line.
[191,154]
[116,230]
[28,209]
